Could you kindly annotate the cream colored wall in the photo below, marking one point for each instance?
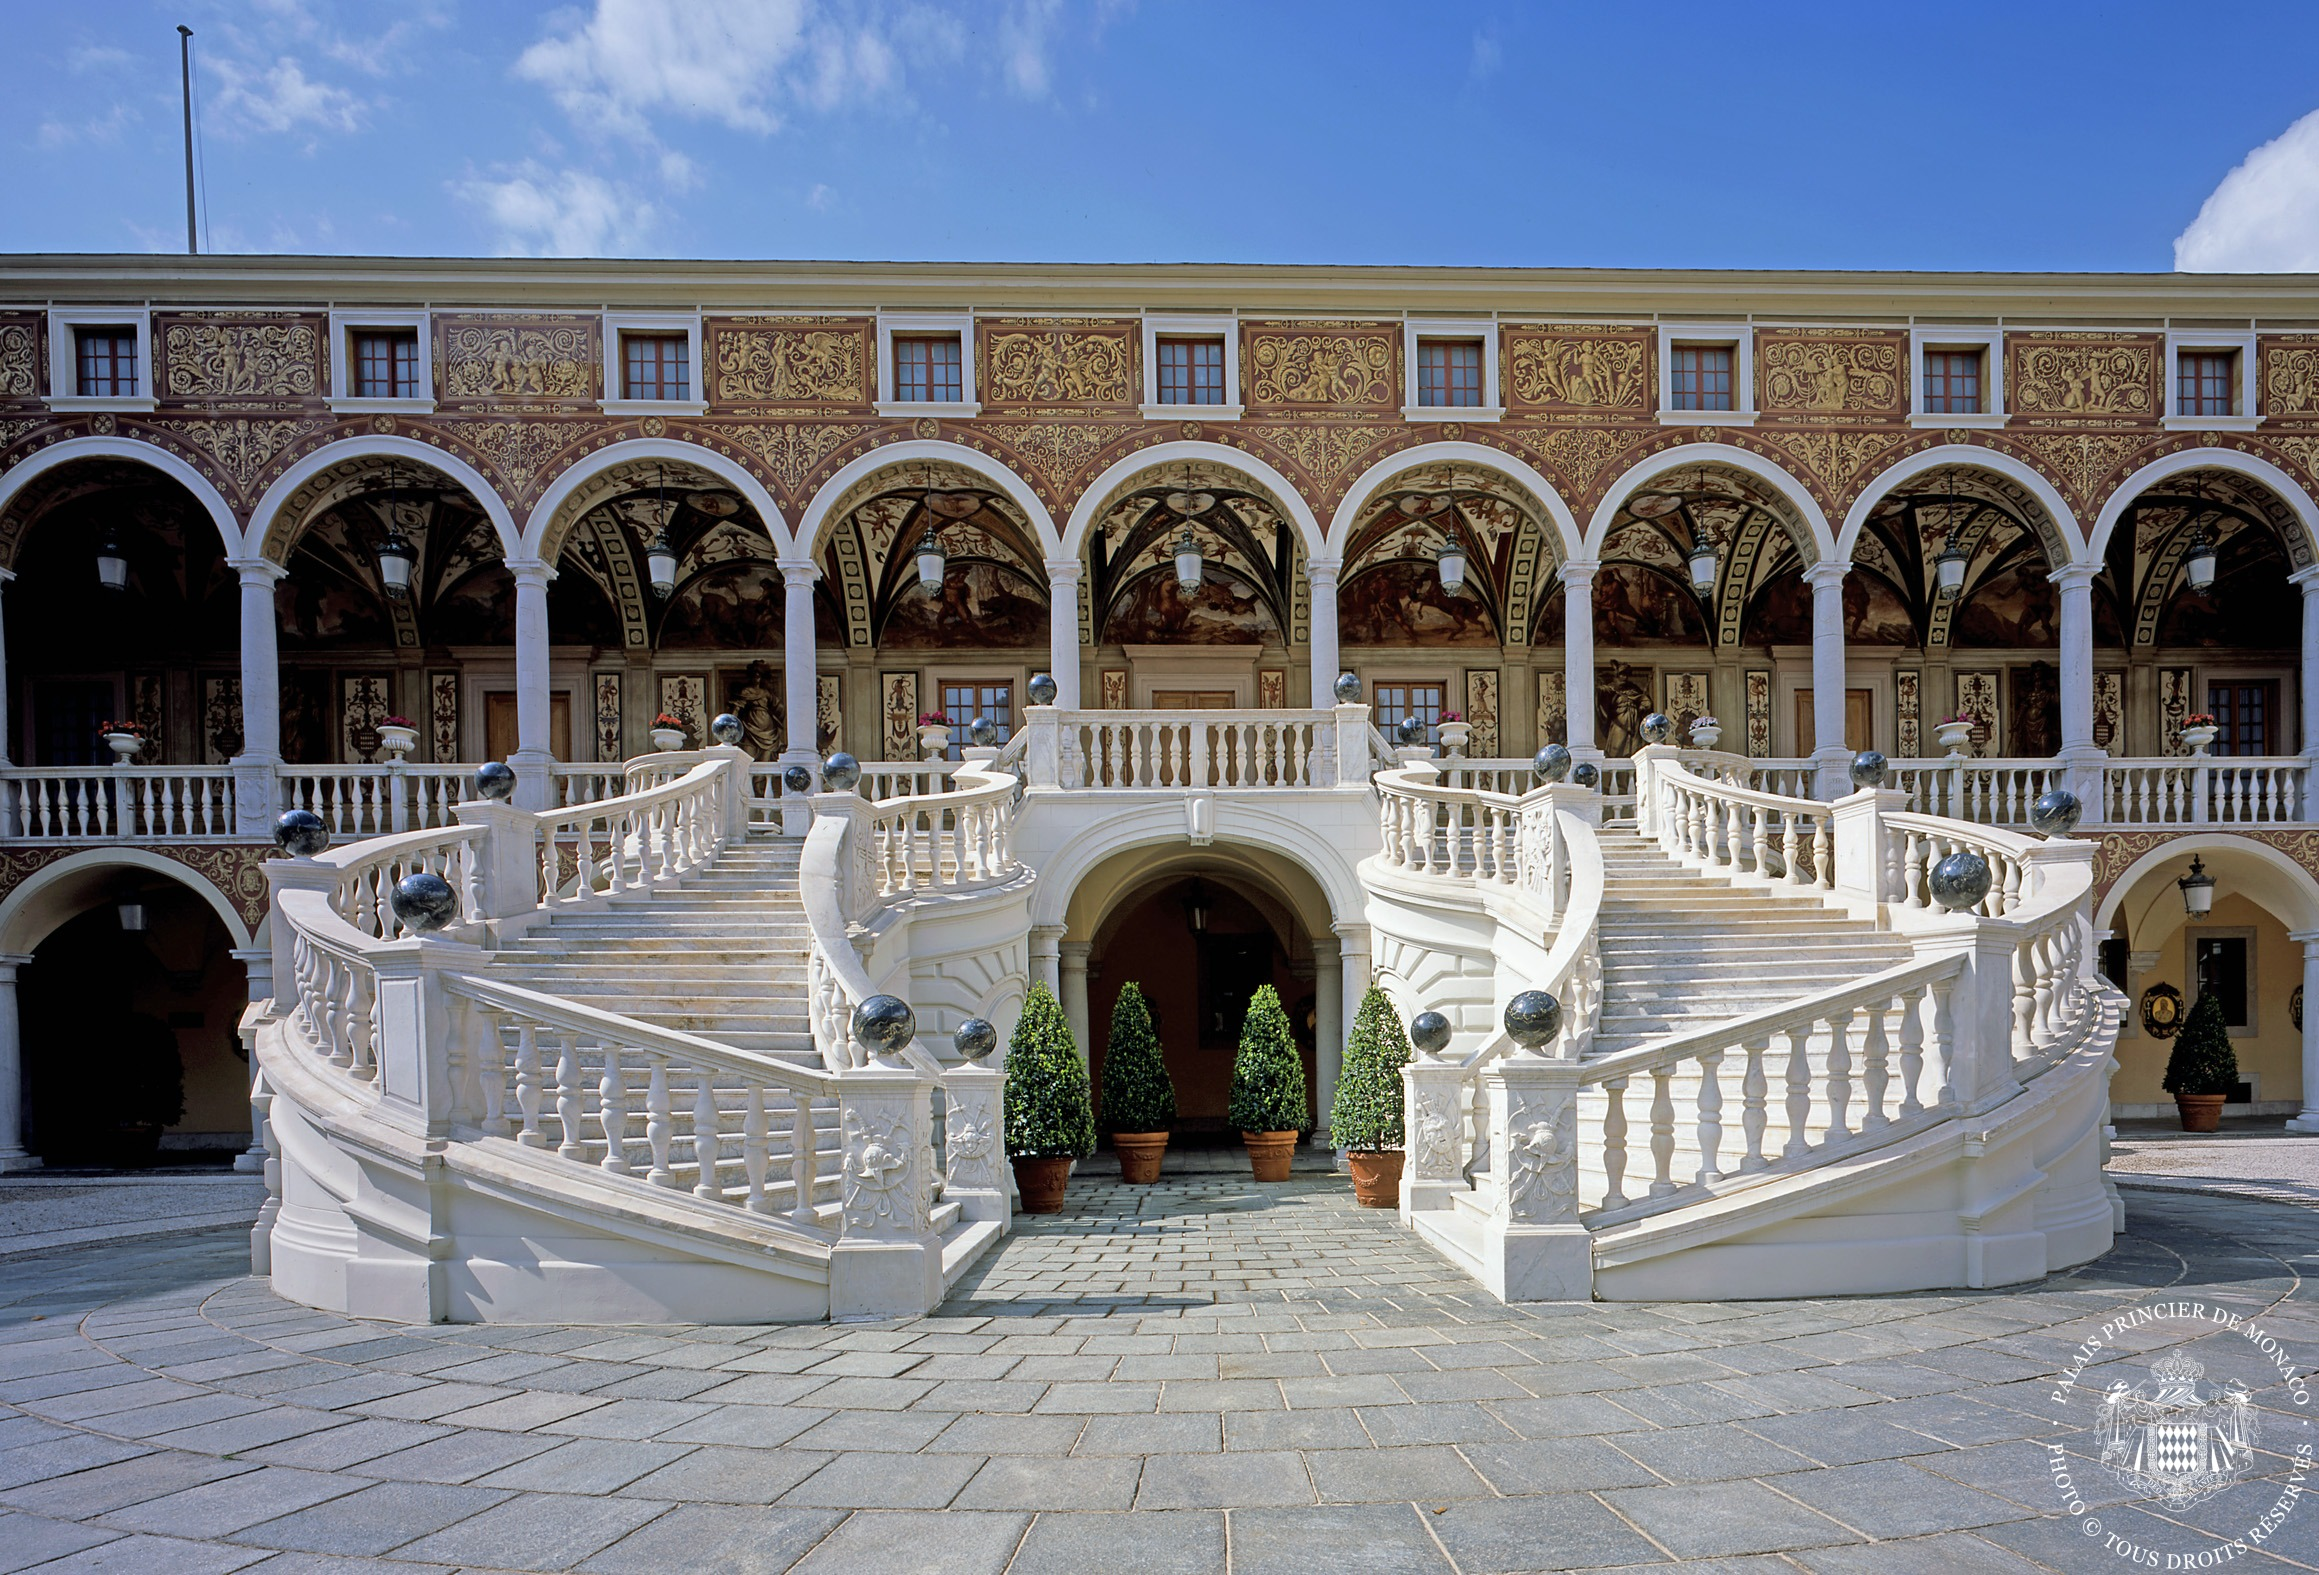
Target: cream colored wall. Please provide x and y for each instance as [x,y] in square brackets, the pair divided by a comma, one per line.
[2272,1055]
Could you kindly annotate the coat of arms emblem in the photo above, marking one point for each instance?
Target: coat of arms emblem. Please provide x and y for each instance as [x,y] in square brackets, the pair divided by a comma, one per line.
[2173,1439]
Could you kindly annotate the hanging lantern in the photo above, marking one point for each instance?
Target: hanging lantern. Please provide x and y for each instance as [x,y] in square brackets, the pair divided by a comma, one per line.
[112,564]
[132,915]
[660,563]
[1702,561]
[1196,908]
[1949,568]
[1449,559]
[2198,563]
[1188,568]
[930,561]
[396,559]
[2197,890]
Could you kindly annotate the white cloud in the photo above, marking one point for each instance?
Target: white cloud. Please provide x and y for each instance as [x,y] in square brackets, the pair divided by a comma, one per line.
[2264,217]
[719,60]
[820,198]
[1487,57]
[105,128]
[279,98]
[560,213]
[1023,41]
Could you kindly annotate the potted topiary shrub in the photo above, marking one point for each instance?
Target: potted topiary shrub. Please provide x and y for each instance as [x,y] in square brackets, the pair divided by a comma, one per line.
[1267,1087]
[2203,1070]
[1139,1101]
[1050,1120]
[1365,1116]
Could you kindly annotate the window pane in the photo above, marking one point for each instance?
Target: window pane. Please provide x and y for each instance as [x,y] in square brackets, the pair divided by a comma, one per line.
[1952,382]
[2222,972]
[656,367]
[386,365]
[964,702]
[108,363]
[927,369]
[2203,383]
[1701,378]
[1449,372]
[1423,701]
[1191,371]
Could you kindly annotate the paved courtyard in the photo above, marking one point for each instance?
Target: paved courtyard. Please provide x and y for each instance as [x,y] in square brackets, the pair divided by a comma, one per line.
[1204,1376]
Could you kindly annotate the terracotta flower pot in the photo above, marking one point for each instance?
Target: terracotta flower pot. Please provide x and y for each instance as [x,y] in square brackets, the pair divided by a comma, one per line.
[1376,1177]
[1270,1153]
[1139,1155]
[2200,1112]
[1041,1183]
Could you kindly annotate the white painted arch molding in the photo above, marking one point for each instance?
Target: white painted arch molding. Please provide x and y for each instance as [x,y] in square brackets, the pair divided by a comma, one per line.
[1648,469]
[152,455]
[1324,850]
[381,446]
[1098,494]
[1963,456]
[2252,466]
[912,451]
[1373,480]
[2266,876]
[697,456]
[63,890]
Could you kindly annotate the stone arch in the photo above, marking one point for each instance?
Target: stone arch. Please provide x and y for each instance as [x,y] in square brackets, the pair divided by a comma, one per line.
[2057,527]
[45,463]
[2268,876]
[1565,539]
[60,891]
[1254,829]
[1789,497]
[598,474]
[2297,519]
[836,494]
[337,470]
[1127,473]
[1988,504]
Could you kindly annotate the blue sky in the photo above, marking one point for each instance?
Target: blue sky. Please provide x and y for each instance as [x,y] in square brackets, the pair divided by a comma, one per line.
[2010,136]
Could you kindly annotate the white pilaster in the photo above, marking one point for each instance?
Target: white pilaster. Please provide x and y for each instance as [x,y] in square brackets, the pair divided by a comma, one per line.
[13,1155]
[534,784]
[2307,1120]
[798,673]
[261,663]
[6,575]
[1071,961]
[258,968]
[1830,756]
[1046,956]
[1327,655]
[1063,575]
[1578,653]
[1328,1032]
[2308,579]
[2079,753]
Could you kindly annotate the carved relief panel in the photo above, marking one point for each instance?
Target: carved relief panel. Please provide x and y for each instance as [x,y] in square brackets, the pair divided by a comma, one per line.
[21,357]
[239,358]
[542,362]
[1579,371]
[1822,374]
[779,366]
[1322,366]
[2103,379]
[2287,376]
[1057,365]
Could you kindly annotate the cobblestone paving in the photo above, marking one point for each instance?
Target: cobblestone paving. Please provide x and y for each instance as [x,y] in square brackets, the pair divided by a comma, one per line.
[1206,1376]
[39,1211]
[2251,1155]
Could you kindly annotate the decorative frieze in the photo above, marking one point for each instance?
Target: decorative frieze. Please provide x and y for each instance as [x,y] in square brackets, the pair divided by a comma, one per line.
[213,357]
[2097,378]
[490,357]
[1322,367]
[806,366]
[1057,366]
[1578,371]
[20,356]
[1823,374]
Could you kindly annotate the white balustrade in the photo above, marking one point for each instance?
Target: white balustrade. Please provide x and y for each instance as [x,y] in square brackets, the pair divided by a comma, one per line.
[124,803]
[945,841]
[1195,749]
[636,840]
[1721,826]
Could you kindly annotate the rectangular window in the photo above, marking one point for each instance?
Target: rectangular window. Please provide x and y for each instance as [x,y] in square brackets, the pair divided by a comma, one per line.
[1422,701]
[928,369]
[963,702]
[1952,382]
[1191,372]
[1449,372]
[1701,378]
[2203,380]
[2244,712]
[107,366]
[386,363]
[2224,968]
[654,366]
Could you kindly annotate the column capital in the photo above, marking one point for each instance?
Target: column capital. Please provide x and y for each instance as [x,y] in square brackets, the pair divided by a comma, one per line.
[252,570]
[1578,571]
[1061,569]
[530,571]
[7,576]
[1048,936]
[2310,940]
[1323,568]
[1828,572]
[1075,953]
[9,963]
[1352,936]
[2073,576]
[795,572]
[2308,578]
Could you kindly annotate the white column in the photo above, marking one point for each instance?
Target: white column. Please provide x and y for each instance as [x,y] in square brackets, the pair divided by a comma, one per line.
[1327,657]
[13,1155]
[6,575]
[1072,963]
[1352,976]
[2308,1119]
[261,663]
[1328,1031]
[258,970]
[798,673]
[1046,964]
[1063,630]
[2075,582]
[533,758]
[1578,654]
[1829,754]
[2308,579]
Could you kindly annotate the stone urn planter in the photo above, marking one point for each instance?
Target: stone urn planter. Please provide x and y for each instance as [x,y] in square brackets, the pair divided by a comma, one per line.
[1139,1156]
[124,746]
[1376,1177]
[1705,735]
[2198,738]
[397,741]
[1041,1182]
[1955,737]
[2200,1112]
[667,739]
[1269,1153]
[933,739]
[1455,736]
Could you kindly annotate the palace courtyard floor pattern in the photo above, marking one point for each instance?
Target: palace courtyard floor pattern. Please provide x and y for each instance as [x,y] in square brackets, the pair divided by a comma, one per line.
[1203,1376]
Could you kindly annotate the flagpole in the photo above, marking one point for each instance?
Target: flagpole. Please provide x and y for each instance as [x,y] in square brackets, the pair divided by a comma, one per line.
[185,84]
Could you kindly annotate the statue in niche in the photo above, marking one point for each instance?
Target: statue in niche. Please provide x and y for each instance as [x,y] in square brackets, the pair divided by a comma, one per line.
[1622,699]
[756,700]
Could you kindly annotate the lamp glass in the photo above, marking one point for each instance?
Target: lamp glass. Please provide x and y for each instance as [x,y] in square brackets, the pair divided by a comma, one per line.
[1188,573]
[660,565]
[2197,889]
[2198,567]
[1702,560]
[395,560]
[1450,560]
[930,562]
[132,918]
[1950,566]
[112,566]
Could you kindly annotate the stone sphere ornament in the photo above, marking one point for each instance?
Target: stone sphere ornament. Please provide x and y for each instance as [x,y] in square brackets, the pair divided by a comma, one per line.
[983,732]
[1429,1032]
[1348,688]
[1960,881]
[1410,730]
[975,1039]
[884,1024]
[1532,1018]
[726,729]
[1868,769]
[2056,813]
[424,902]
[797,780]
[1585,775]
[1043,690]
[1551,763]
[495,780]
[1656,727]
[301,833]
[840,772]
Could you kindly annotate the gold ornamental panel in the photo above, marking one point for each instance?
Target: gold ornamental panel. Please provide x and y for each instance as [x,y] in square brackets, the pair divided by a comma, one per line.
[1322,365]
[20,356]
[1800,373]
[2083,376]
[1057,365]
[213,355]
[2288,375]
[490,356]
[791,365]
[1577,369]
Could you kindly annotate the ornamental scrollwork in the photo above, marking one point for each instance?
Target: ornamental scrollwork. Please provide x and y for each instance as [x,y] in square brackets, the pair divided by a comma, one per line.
[789,365]
[242,360]
[879,1190]
[1056,366]
[1541,1181]
[488,360]
[2083,375]
[1322,367]
[2290,375]
[19,360]
[1575,370]
[970,1141]
[245,449]
[1822,375]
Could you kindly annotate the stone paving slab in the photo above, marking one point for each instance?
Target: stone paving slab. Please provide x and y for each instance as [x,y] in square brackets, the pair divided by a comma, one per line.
[1292,1383]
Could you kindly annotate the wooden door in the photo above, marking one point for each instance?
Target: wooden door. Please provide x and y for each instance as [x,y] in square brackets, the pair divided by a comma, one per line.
[499,733]
[1859,720]
[1192,700]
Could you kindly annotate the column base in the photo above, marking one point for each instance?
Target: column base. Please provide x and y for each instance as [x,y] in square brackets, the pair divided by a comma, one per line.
[535,783]
[2307,1122]
[251,1162]
[17,1161]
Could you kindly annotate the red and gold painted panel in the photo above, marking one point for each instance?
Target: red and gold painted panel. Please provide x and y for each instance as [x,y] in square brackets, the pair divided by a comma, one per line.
[1578,372]
[240,361]
[551,361]
[23,357]
[1057,365]
[2084,379]
[790,366]
[1799,372]
[1321,368]
[2287,377]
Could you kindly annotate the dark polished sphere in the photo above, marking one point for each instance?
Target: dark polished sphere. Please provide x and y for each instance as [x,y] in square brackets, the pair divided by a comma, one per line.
[1429,1032]
[975,1039]
[1348,688]
[1868,768]
[983,732]
[1409,730]
[1552,763]
[726,729]
[797,780]
[424,902]
[1656,727]
[840,772]
[1585,774]
[1532,1018]
[301,833]
[1960,881]
[1043,690]
[883,1024]
[495,780]
[2056,813]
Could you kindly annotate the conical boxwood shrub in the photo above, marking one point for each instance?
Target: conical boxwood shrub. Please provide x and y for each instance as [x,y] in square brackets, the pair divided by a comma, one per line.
[1267,1073]
[2202,1061]
[1366,1113]
[1049,1114]
[1137,1093]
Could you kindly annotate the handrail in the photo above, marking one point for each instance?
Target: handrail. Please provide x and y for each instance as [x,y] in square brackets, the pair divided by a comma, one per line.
[1726,825]
[951,841]
[645,835]
[368,871]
